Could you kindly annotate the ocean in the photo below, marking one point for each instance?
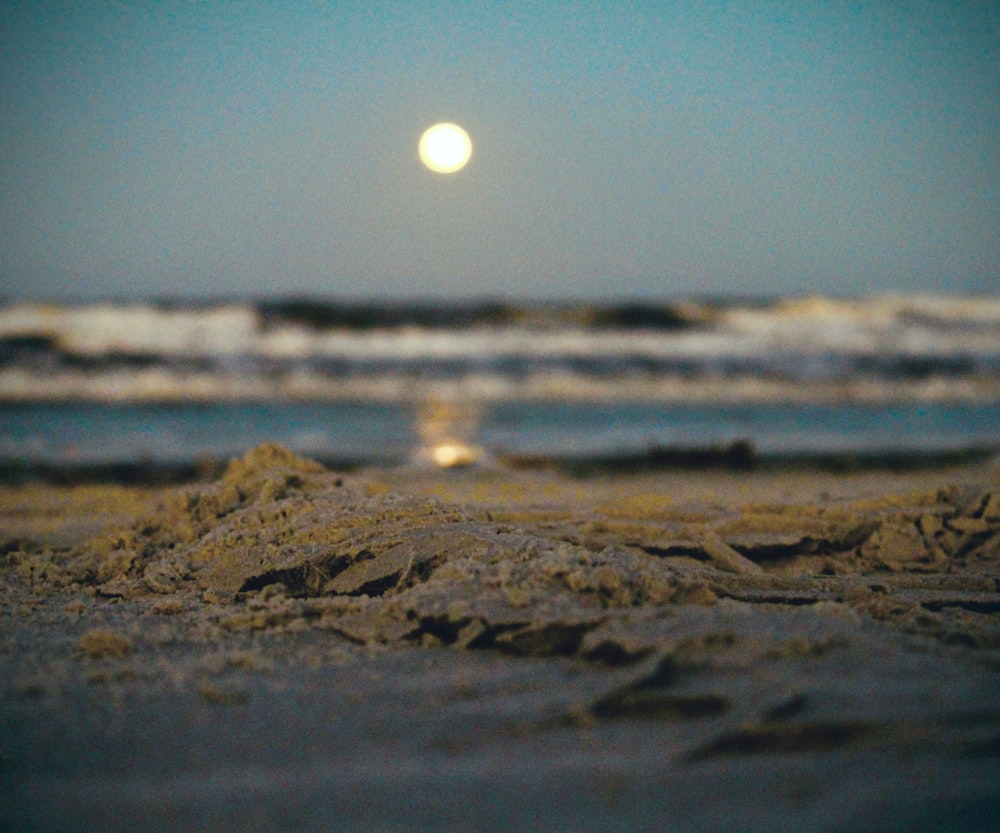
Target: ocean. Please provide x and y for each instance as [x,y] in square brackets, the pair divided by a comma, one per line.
[697,381]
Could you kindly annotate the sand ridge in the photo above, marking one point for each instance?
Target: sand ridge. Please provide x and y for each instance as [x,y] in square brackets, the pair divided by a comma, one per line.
[344,554]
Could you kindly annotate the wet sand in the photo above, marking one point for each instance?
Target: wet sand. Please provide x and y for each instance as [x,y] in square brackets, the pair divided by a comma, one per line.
[291,648]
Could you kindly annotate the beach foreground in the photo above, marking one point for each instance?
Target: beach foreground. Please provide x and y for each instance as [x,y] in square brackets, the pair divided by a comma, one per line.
[291,648]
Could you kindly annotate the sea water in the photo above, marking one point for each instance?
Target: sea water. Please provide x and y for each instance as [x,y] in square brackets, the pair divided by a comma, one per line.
[356,433]
[375,383]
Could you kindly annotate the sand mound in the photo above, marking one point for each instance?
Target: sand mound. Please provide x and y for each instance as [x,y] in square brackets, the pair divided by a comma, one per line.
[279,539]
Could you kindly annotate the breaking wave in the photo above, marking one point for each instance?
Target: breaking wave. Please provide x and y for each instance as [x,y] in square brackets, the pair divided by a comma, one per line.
[885,348]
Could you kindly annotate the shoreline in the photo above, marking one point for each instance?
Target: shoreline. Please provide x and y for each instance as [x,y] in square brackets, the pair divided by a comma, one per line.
[736,457]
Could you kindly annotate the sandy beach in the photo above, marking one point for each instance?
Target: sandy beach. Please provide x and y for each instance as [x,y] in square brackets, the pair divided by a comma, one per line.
[285,647]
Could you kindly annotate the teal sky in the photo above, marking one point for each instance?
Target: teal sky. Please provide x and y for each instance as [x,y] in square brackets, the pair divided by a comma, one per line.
[620,150]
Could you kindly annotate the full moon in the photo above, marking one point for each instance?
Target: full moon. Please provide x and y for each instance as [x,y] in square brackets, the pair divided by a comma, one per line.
[445,148]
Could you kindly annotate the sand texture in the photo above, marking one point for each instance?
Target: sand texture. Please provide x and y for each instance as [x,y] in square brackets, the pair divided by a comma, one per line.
[288,647]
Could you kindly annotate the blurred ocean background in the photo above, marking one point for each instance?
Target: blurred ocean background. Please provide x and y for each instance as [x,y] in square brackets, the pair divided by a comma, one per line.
[175,384]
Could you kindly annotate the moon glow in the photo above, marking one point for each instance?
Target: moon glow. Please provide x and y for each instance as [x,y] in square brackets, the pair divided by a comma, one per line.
[445,148]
